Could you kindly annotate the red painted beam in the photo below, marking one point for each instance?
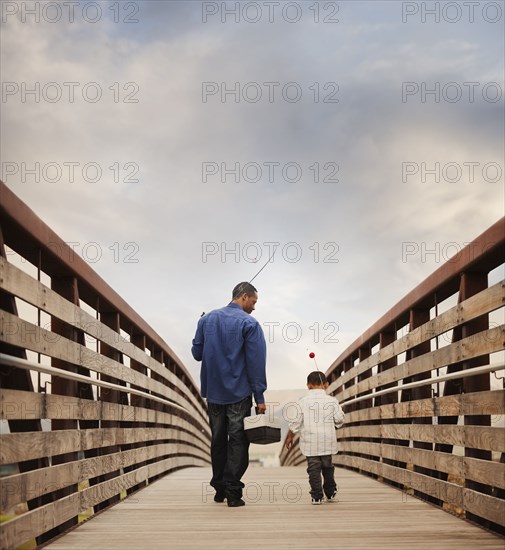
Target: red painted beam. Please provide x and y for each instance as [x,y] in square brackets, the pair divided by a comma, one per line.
[483,254]
[26,233]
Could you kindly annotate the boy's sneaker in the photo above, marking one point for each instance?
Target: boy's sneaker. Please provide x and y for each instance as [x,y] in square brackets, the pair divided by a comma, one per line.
[317,501]
[333,497]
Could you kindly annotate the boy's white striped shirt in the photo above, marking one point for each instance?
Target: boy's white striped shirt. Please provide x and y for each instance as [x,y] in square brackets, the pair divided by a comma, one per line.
[318,414]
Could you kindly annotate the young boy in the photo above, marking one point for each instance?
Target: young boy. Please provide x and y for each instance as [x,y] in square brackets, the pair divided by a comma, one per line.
[318,416]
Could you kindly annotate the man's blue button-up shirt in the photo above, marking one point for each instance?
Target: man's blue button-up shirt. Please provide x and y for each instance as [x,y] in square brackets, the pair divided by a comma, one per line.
[231,346]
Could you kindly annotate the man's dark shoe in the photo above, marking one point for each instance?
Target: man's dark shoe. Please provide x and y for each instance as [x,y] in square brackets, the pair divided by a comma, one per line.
[236,503]
[219,496]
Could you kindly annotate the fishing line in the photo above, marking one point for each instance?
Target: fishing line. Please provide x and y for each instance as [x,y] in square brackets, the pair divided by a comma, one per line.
[273,253]
[262,268]
[312,355]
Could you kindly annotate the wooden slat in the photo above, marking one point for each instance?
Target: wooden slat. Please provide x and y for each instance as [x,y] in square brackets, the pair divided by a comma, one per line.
[478,403]
[17,447]
[482,505]
[359,431]
[483,343]
[300,459]
[22,487]
[17,282]
[484,437]
[485,506]
[484,302]
[295,456]
[29,525]
[16,404]
[484,471]
[478,437]
[450,493]
[36,339]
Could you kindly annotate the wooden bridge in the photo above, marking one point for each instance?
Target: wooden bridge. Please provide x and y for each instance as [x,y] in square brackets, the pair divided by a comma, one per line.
[96,410]
[178,512]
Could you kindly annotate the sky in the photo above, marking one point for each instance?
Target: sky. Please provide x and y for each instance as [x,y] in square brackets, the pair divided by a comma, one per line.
[176,145]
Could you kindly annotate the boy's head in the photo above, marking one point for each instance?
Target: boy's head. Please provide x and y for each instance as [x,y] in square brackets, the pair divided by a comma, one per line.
[317,380]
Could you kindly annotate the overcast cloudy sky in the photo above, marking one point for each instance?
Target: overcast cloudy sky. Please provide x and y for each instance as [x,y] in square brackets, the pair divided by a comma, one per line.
[341,112]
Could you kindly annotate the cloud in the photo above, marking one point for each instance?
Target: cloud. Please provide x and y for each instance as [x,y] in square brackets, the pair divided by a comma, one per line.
[162,140]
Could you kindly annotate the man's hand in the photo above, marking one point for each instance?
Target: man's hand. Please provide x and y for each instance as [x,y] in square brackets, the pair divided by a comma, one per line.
[261,408]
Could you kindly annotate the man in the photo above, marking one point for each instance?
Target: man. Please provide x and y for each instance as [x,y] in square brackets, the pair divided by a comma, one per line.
[231,345]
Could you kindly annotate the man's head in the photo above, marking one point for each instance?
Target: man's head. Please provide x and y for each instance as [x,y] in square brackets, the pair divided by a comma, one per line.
[246,296]
[316,379]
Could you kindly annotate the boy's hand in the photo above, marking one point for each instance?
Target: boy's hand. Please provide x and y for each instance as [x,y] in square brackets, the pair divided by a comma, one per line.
[289,440]
[261,408]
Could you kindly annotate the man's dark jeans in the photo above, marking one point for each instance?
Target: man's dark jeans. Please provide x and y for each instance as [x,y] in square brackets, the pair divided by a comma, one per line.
[229,448]
[316,466]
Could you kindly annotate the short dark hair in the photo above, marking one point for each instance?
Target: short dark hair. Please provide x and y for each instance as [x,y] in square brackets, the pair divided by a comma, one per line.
[316,378]
[243,288]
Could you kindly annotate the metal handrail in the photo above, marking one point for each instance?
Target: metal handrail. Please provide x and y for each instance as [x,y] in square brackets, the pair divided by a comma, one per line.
[12,361]
[455,375]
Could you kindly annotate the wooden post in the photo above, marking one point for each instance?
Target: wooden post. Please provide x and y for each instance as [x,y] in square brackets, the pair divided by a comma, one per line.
[418,317]
[386,337]
[66,287]
[364,353]
[20,379]
[112,320]
[138,340]
[157,354]
[472,283]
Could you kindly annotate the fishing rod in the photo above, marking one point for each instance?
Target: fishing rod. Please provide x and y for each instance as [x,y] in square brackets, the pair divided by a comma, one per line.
[312,355]
[250,280]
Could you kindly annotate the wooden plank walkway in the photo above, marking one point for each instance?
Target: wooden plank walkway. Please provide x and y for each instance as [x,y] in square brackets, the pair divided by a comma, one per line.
[178,512]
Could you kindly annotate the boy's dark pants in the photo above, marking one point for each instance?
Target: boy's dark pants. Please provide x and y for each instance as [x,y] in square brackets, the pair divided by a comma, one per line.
[318,465]
[229,447]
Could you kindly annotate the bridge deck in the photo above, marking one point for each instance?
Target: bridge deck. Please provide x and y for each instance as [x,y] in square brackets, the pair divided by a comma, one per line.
[178,512]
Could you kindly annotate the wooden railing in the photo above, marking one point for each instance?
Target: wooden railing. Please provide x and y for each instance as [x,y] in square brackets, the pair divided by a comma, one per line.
[423,393]
[94,404]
